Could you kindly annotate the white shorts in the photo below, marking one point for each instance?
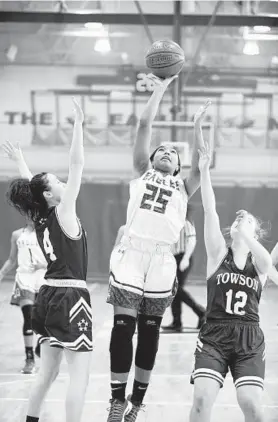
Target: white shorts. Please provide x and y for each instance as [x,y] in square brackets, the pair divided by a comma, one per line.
[142,276]
[27,285]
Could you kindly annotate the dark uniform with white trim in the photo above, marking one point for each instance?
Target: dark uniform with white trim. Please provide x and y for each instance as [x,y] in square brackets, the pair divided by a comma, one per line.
[232,338]
[63,315]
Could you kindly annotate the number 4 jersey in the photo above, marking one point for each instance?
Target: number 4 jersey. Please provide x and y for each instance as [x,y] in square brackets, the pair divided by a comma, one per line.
[157,207]
[234,294]
[66,256]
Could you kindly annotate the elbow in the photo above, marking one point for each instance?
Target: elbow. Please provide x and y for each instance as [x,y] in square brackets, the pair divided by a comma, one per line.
[145,122]
[266,265]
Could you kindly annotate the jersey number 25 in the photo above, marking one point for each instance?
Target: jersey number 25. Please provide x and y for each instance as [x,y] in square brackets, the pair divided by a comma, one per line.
[156,199]
[48,245]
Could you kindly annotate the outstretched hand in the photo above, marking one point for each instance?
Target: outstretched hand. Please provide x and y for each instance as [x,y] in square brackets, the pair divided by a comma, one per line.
[204,157]
[79,115]
[159,82]
[201,112]
[11,151]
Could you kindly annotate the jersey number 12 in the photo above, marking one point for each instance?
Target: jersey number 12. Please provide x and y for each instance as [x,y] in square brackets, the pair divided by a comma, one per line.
[238,305]
[48,245]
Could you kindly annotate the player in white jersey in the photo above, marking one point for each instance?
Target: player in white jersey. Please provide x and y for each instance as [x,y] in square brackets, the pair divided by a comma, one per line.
[31,267]
[142,267]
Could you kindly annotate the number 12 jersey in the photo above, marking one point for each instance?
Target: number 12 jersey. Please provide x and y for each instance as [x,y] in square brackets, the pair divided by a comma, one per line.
[234,294]
[157,207]
[66,256]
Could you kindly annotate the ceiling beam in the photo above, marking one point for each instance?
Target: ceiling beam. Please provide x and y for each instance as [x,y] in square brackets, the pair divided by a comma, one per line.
[134,19]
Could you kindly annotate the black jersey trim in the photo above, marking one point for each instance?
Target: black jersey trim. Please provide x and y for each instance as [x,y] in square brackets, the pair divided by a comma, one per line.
[219,265]
[78,237]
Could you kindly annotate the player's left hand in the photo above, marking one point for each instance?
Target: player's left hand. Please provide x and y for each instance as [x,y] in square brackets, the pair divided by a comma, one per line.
[201,112]
[184,264]
[13,152]
[79,115]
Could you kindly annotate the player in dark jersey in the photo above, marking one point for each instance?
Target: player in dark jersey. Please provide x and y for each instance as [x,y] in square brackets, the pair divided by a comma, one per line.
[231,338]
[62,313]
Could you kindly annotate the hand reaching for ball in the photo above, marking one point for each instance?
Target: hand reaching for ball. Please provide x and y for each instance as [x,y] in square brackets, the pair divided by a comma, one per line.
[159,82]
[201,112]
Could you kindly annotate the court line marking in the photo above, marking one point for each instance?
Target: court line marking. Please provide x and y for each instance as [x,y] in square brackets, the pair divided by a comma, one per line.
[152,403]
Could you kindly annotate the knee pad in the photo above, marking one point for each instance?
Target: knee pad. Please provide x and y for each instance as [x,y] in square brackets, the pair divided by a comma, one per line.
[121,343]
[148,339]
[27,316]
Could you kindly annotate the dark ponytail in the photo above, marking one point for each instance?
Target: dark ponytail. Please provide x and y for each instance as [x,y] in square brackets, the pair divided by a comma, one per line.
[27,196]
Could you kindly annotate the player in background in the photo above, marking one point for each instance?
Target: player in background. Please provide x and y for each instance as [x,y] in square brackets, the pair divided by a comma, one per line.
[183,252]
[231,338]
[31,267]
[142,267]
[62,313]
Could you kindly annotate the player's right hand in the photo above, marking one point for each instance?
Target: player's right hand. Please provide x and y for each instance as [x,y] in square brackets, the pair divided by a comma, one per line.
[159,82]
[204,157]
[13,152]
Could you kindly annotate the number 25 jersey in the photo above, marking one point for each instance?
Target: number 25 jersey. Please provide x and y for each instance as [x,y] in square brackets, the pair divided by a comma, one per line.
[157,207]
[234,294]
[66,256]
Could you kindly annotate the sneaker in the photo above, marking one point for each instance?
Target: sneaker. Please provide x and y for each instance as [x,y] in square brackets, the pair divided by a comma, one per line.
[131,415]
[173,327]
[29,367]
[118,410]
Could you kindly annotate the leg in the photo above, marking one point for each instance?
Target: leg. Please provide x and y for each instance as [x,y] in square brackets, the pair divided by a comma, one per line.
[79,372]
[147,346]
[205,393]
[176,304]
[248,370]
[26,308]
[49,368]
[190,301]
[249,400]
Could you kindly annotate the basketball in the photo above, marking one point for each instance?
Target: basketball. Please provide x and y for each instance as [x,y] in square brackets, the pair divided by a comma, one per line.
[165,58]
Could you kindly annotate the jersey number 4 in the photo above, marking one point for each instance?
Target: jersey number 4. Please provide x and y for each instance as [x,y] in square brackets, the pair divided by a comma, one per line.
[238,308]
[156,199]
[48,246]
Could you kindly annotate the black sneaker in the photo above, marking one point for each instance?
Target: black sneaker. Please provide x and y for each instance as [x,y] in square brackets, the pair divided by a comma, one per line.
[29,367]
[173,327]
[132,414]
[118,410]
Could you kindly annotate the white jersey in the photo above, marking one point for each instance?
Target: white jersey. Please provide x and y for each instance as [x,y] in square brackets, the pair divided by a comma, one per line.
[157,207]
[29,255]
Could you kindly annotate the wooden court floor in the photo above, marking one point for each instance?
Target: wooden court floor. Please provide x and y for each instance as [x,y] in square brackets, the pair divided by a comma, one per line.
[169,396]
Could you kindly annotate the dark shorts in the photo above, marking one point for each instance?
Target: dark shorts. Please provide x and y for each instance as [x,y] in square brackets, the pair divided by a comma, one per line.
[63,315]
[237,347]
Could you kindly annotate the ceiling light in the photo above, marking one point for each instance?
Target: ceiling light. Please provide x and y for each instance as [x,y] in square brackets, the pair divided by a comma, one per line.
[102,45]
[251,48]
[274,60]
[94,25]
[124,57]
[262,29]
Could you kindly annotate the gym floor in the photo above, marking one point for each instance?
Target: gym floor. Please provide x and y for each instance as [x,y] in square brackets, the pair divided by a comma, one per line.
[169,397]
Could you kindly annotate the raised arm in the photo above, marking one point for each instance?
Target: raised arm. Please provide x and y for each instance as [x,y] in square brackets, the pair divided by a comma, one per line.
[273,275]
[67,207]
[15,154]
[214,240]
[141,151]
[192,183]
[12,260]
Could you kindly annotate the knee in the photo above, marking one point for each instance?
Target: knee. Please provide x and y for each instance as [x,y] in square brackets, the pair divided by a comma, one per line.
[27,317]
[202,403]
[250,405]
[148,339]
[122,331]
